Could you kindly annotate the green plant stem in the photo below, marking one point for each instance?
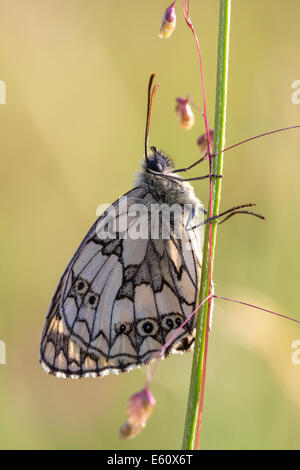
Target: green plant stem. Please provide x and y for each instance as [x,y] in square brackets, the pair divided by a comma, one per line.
[196,392]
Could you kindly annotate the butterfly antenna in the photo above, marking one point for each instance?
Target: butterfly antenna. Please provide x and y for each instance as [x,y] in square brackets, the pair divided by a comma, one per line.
[151,92]
[255,137]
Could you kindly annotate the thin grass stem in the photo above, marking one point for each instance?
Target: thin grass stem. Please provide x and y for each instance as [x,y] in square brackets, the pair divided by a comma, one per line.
[191,439]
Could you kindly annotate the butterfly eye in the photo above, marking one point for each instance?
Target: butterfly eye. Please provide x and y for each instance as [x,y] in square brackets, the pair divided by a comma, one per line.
[81,286]
[122,327]
[147,327]
[156,163]
[91,299]
[159,167]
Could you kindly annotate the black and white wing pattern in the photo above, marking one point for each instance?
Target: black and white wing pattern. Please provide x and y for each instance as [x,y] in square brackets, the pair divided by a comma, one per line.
[119,300]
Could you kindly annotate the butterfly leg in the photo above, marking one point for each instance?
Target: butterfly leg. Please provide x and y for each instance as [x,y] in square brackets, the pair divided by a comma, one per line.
[193,164]
[178,178]
[200,177]
[229,213]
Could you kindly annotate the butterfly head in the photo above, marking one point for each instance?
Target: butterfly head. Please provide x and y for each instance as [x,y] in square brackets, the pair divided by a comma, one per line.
[158,162]
[158,178]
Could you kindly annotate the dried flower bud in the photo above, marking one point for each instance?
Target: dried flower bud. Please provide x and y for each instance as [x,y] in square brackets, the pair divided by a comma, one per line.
[184,112]
[168,23]
[202,141]
[139,409]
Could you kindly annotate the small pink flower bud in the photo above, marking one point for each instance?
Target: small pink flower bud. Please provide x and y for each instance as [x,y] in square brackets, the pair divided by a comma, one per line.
[184,112]
[168,23]
[202,140]
[139,409]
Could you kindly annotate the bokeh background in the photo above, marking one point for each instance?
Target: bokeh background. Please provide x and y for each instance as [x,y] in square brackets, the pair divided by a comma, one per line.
[72,135]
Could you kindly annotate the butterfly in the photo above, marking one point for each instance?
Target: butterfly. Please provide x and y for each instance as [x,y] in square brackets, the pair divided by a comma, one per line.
[122,296]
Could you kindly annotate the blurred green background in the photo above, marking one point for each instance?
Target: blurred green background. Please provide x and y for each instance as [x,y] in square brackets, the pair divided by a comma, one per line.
[72,138]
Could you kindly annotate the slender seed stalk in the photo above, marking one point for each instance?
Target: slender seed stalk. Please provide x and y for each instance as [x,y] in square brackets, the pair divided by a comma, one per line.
[192,430]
